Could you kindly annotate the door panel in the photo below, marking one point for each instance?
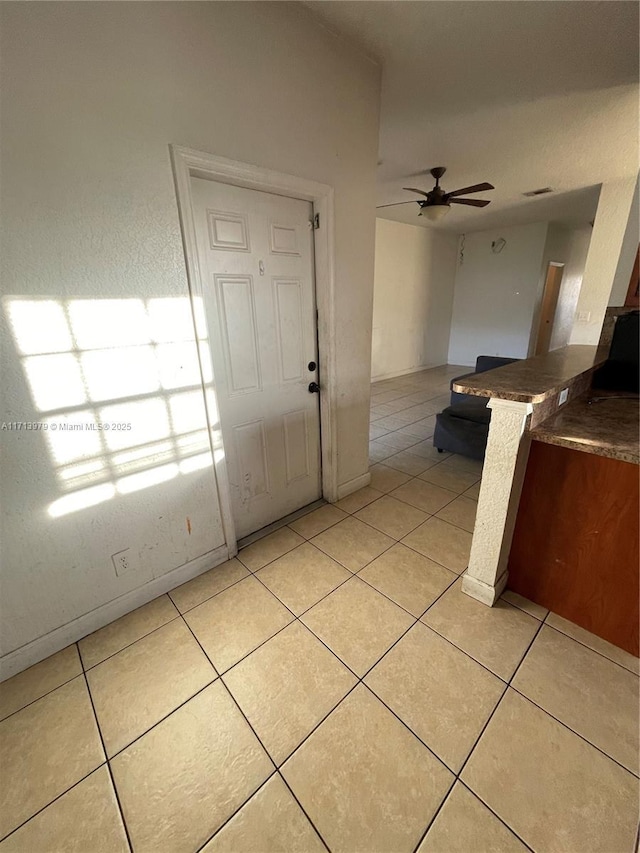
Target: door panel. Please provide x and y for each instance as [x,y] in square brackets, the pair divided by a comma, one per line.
[253,467]
[238,326]
[284,240]
[288,304]
[255,251]
[228,231]
[296,445]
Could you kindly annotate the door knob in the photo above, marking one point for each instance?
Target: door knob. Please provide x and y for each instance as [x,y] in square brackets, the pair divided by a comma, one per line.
[314,388]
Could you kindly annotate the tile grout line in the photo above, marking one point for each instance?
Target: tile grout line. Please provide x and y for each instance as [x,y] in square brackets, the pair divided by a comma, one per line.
[213,595]
[428,514]
[277,525]
[495,814]
[235,812]
[567,726]
[220,674]
[416,477]
[304,811]
[38,698]
[256,735]
[108,759]
[482,731]
[163,718]
[54,800]
[385,494]
[435,814]
[359,680]
[356,573]
[296,618]
[108,763]
[133,642]
[585,646]
[404,535]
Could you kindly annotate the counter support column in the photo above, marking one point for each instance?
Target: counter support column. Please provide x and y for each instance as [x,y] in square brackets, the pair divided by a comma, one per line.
[502,478]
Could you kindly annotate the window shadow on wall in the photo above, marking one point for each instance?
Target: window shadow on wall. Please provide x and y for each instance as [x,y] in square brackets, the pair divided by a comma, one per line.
[118,389]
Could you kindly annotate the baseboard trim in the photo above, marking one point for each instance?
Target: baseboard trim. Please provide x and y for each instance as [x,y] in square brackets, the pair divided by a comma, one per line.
[484,592]
[61,637]
[381,377]
[353,485]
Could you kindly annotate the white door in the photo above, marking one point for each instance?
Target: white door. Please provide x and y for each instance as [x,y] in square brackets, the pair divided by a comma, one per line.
[255,251]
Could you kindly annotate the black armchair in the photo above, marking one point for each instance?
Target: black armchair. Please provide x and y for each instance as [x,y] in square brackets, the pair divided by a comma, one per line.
[463,426]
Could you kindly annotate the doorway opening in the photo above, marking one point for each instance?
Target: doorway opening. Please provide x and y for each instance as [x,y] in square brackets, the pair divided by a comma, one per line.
[219,282]
[550,295]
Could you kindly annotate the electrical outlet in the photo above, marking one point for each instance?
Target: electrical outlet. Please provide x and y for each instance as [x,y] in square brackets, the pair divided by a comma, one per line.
[563,396]
[124,562]
[584,316]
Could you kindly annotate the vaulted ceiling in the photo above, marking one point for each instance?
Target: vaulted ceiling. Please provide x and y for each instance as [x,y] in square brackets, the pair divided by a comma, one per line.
[523,94]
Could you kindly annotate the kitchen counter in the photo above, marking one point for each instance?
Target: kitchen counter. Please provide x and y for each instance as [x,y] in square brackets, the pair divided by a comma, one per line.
[534,380]
[573,459]
[608,427]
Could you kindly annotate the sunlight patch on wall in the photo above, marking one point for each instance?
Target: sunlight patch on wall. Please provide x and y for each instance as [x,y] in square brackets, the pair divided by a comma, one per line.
[117,383]
[81,500]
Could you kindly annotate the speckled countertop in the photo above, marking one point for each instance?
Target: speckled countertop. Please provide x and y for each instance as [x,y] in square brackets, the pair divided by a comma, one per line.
[534,380]
[607,427]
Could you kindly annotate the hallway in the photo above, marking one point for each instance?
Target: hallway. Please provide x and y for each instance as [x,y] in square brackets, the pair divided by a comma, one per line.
[331,687]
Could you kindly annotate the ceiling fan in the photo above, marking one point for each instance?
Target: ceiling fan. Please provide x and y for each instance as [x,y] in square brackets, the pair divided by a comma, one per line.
[436,203]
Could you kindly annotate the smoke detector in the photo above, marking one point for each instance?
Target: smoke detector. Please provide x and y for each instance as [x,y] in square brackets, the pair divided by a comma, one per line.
[541,191]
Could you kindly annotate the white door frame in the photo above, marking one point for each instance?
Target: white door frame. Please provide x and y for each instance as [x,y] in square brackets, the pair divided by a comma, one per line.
[188,163]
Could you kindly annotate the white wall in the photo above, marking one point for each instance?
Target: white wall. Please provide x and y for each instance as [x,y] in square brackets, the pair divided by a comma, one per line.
[415,271]
[496,294]
[628,252]
[608,246]
[574,262]
[93,95]
[569,247]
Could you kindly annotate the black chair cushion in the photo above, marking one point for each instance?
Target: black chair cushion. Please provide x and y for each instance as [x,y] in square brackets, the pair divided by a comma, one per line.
[470,410]
[621,372]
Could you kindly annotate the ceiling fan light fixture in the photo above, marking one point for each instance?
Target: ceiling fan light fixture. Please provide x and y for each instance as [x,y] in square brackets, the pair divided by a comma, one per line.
[435,212]
[435,204]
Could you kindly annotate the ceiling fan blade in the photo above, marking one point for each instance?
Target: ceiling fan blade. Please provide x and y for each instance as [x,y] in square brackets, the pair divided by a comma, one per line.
[472,201]
[394,203]
[414,190]
[476,188]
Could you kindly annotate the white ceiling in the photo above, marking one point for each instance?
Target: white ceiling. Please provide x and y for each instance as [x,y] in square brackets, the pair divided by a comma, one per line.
[523,94]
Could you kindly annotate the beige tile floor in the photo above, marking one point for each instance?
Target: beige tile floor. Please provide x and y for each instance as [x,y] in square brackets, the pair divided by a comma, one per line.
[332,688]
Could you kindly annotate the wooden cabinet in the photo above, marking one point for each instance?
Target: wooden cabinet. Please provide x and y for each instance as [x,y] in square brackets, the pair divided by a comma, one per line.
[575,546]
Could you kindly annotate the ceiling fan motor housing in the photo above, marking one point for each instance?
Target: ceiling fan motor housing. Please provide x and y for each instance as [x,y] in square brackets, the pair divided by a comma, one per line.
[437,197]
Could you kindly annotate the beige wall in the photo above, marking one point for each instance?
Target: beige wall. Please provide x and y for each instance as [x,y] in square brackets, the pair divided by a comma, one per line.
[496,294]
[628,252]
[574,260]
[569,247]
[607,247]
[94,93]
[415,270]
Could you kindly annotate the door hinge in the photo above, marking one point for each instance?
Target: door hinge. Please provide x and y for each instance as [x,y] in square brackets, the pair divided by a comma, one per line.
[315,222]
